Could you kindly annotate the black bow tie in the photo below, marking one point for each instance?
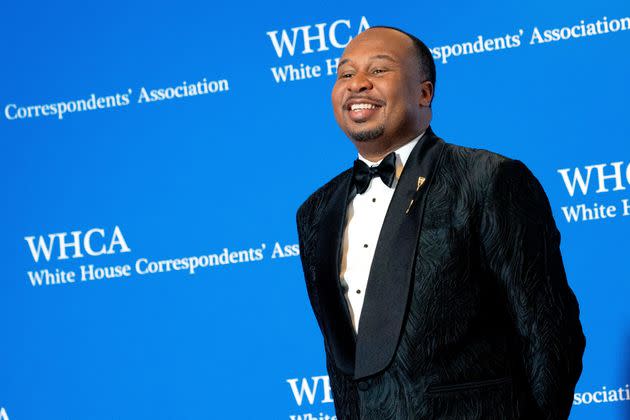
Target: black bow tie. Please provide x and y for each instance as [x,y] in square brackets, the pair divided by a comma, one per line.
[362,174]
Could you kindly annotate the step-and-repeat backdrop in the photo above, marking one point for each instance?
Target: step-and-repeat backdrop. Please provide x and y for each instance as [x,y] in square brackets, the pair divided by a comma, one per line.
[154,155]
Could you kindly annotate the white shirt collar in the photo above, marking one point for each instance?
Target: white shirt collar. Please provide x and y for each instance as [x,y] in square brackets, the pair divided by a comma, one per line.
[402,154]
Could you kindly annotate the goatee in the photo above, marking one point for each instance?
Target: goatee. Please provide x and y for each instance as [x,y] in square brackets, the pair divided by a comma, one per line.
[367,135]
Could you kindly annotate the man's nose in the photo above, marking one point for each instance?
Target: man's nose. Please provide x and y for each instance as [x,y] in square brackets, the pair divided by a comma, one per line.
[359,83]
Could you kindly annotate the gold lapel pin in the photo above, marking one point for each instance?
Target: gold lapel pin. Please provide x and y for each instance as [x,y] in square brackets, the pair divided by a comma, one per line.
[410,204]
[421,180]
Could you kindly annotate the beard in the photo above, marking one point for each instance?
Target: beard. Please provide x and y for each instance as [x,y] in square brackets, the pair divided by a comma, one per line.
[368,134]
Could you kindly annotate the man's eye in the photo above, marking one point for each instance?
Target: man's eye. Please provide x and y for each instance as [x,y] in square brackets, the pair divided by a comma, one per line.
[345,75]
[378,71]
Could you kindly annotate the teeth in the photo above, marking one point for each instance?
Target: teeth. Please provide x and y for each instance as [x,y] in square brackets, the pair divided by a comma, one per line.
[354,107]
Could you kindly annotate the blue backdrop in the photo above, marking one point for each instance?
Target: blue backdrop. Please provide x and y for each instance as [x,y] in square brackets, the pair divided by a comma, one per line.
[159,152]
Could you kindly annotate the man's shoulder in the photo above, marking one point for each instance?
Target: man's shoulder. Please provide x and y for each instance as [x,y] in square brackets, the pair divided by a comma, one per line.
[473,159]
[316,198]
[489,171]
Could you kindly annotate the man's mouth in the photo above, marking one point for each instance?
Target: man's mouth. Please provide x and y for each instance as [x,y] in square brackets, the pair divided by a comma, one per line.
[354,107]
[361,111]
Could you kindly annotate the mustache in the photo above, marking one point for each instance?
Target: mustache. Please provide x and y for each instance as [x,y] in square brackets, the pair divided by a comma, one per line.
[363,98]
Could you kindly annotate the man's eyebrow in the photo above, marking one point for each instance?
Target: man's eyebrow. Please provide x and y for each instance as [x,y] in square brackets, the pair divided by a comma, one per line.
[377,56]
[342,62]
[385,57]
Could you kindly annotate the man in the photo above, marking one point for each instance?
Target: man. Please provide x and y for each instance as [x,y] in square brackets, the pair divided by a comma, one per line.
[435,277]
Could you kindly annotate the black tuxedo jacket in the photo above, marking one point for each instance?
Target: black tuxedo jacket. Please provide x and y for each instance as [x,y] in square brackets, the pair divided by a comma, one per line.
[467,312]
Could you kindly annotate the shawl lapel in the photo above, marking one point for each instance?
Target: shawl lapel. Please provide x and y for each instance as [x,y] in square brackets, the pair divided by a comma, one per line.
[387,294]
[337,324]
[389,283]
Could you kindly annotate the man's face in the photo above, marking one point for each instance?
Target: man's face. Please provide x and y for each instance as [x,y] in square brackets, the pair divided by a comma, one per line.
[378,89]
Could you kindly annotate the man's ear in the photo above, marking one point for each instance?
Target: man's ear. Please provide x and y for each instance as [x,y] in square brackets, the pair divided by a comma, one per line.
[426,93]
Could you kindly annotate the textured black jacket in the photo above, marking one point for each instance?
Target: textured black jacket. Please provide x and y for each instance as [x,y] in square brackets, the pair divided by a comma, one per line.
[467,312]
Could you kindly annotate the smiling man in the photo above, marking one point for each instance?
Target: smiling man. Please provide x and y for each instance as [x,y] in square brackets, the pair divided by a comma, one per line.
[434,270]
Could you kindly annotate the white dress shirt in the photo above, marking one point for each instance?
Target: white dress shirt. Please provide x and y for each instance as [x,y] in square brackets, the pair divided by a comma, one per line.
[364,219]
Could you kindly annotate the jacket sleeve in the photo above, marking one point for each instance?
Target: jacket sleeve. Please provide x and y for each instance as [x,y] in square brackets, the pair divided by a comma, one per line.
[520,246]
[303,221]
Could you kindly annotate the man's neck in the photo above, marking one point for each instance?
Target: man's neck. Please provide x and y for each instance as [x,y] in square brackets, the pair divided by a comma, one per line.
[375,151]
